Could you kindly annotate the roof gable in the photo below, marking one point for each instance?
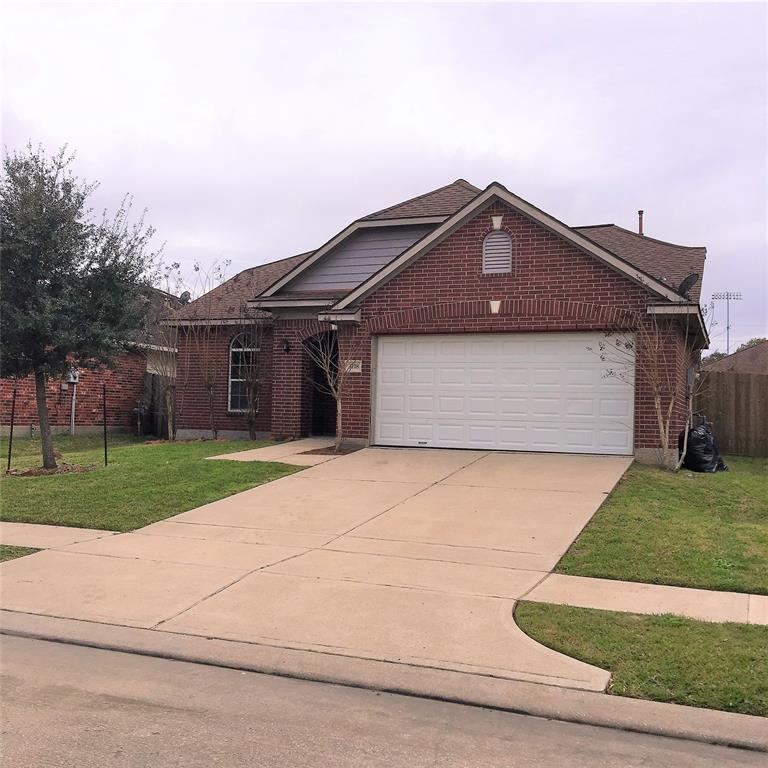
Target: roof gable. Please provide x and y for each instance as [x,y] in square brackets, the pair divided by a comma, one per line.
[362,254]
[493,192]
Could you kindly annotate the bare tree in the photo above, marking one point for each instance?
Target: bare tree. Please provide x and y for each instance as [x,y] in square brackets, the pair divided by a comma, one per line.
[252,325]
[202,335]
[160,342]
[649,352]
[337,357]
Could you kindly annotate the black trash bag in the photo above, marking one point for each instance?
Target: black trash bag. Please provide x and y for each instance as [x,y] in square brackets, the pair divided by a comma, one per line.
[701,454]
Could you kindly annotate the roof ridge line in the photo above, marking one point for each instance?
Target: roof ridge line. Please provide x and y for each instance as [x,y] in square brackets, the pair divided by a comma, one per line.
[469,186]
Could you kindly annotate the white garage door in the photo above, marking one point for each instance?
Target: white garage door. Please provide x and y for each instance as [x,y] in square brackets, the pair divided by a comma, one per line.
[515,392]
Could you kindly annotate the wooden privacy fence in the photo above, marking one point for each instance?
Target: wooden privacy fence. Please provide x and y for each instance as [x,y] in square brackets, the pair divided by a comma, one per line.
[736,404]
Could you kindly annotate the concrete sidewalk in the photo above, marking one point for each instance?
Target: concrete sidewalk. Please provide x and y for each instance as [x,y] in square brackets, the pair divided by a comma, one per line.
[632,597]
[289,452]
[46,536]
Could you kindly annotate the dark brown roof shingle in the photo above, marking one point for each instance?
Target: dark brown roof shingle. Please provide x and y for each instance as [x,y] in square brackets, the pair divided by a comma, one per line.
[226,301]
[667,262]
[444,201]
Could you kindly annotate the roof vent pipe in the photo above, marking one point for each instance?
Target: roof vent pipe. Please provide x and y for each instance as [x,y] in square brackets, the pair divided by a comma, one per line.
[639,222]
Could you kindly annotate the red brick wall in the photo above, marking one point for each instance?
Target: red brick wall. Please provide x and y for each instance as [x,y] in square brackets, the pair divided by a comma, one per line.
[124,389]
[553,287]
[192,397]
[292,391]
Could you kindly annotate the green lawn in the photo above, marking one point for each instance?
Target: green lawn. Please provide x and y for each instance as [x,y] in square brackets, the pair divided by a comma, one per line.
[8,552]
[687,529]
[142,483]
[662,658]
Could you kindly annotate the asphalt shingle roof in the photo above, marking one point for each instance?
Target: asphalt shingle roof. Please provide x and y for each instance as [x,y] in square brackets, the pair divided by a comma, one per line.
[667,262]
[444,201]
[226,301]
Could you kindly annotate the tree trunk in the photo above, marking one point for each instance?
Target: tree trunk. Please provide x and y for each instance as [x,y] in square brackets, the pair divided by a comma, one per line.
[214,433]
[686,427]
[49,460]
[169,412]
[339,432]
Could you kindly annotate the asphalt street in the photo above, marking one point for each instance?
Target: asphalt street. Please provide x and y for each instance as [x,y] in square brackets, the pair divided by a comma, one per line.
[65,705]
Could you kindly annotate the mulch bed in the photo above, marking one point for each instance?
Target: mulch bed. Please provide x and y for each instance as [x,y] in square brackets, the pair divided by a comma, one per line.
[62,469]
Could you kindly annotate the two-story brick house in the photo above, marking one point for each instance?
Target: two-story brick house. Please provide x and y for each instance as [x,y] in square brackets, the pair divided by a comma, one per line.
[477,321]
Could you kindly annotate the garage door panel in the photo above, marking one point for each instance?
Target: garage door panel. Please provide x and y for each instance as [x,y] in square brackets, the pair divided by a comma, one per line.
[420,432]
[481,406]
[581,377]
[391,431]
[545,406]
[547,377]
[513,406]
[514,377]
[544,392]
[580,407]
[482,376]
[393,375]
[451,433]
[450,376]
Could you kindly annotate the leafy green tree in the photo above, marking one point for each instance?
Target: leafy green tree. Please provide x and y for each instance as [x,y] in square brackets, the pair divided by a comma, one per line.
[71,287]
[713,358]
[752,343]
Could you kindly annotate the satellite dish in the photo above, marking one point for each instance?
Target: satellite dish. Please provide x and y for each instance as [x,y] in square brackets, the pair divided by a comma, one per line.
[186,296]
[688,283]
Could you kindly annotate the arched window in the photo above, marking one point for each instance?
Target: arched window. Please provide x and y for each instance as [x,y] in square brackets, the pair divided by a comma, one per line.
[497,253]
[242,372]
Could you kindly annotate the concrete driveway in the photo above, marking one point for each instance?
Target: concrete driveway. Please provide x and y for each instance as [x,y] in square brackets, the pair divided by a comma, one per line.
[413,556]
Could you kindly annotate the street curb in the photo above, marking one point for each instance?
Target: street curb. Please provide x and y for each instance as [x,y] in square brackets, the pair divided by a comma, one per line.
[545,701]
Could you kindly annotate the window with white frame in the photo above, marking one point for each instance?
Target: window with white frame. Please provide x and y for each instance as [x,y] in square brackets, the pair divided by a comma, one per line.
[497,253]
[242,371]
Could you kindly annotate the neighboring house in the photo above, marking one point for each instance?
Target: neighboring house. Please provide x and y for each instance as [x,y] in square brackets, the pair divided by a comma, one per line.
[749,360]
[476,319]
[126,385]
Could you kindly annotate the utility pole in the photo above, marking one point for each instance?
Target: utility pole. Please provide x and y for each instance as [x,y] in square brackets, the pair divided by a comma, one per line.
[728,296]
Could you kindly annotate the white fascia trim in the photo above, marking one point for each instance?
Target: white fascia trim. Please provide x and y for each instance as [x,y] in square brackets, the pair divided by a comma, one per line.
[339,317]
[286,302]
[677,309]
[403,222]
[343,235]
[669,310]
[482,200]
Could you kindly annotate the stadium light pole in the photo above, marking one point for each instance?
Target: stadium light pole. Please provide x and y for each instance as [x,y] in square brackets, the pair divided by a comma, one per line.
[728,296]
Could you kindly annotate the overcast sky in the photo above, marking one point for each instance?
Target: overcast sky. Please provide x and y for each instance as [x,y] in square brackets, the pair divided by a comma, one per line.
[253,132]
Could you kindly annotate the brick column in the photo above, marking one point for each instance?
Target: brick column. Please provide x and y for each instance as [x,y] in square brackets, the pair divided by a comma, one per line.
[290,389]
